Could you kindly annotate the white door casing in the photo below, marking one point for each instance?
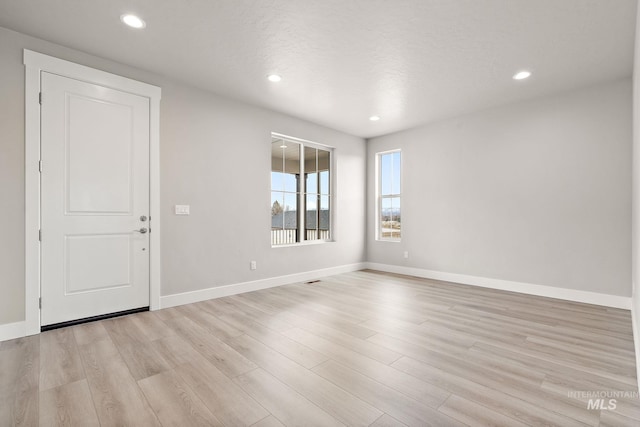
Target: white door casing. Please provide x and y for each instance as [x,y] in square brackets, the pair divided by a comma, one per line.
[94,193]
[37,65]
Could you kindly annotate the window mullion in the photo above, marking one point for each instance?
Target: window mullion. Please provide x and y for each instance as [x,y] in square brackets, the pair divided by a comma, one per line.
[380,197]
[302,199]
[317,195]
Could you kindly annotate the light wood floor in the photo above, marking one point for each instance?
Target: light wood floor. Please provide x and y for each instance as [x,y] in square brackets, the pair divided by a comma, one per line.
[362,348]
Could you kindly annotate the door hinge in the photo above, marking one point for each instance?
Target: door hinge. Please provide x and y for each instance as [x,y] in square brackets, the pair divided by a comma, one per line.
[40,302]
[39,235]
[40,98]
[40,166]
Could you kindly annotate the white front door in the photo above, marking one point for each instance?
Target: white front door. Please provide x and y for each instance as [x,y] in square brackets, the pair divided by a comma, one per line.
[94,200]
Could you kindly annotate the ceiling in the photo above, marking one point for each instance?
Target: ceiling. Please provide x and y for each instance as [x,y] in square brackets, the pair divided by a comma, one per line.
[341,61]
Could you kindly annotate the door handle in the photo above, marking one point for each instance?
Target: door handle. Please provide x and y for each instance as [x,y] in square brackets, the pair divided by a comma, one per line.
[143,230]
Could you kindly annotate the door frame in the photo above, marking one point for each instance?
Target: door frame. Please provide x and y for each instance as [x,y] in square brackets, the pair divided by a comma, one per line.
[35,63]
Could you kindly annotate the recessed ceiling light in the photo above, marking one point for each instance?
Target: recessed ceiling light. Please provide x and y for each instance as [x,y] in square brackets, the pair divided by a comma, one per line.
[283,146]
[133,21]
[521,75]
[374,118]
[274,78]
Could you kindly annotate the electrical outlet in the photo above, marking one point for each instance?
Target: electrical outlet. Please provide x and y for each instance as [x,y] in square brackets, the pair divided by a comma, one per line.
[253,265]
[406,254]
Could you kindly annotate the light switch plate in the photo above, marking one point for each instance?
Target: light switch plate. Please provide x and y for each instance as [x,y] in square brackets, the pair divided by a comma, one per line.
[182,209]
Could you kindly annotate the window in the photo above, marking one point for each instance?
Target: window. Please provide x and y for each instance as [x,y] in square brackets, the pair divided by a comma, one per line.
[389,218]
[300,208]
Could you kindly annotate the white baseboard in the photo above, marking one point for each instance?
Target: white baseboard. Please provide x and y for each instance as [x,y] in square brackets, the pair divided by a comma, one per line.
[507,285]
[10,331]
[238,288]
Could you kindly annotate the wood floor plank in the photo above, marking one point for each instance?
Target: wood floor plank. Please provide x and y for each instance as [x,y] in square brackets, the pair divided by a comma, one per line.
[335,401]
[19,382]
[198,313]
[359,345]
[60,361]
[168,313]
[296,295]
[475,415]
[615,363]
[88,333]
[593,347]
[226,400]
[547,367]
[215,351]
[116,396]
[409,310]
[328,297]
[617,373]
[503,403]
[474,322]
[151,325]
[564,382]
[396,404]
[444,341]
[283,402]
[429,394]
[277,341]
[175,403]
[269,421]
[135,348]
[452,362]
[250,310]
[468,326]
[613,419]
[291,312]
[629,408]
[176,351]
[68,405]
[387,420]
[499,316]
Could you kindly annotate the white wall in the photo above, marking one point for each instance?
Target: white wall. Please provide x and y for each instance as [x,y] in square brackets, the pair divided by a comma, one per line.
[537,192]
[215,156]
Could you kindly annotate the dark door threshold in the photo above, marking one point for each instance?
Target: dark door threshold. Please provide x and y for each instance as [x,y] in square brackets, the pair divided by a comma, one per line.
[92,319]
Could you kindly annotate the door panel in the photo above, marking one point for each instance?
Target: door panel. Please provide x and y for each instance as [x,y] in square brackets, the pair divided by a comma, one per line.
[95,188]
[99,156]
[109,257]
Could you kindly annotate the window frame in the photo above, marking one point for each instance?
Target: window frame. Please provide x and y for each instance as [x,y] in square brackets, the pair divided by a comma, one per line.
[302,194]
[380,197]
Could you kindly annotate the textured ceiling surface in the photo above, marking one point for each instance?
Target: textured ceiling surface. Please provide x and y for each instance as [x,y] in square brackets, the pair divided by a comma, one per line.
[341,61]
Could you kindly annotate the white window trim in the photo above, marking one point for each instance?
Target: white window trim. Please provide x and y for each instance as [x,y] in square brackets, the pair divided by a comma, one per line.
[378,189]
[35,63]
[332,188]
